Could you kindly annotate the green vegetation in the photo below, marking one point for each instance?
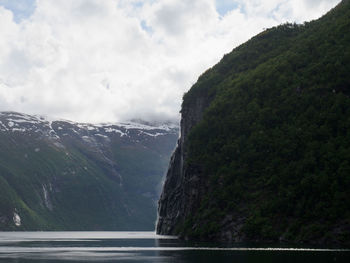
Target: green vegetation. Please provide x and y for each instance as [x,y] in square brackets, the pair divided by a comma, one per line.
[79,185]
[274,142]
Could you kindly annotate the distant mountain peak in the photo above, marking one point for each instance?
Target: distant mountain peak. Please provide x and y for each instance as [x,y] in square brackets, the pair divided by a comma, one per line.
[20,122]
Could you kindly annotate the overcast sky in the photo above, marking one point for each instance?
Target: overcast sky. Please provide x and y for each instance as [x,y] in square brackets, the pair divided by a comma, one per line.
[114,60]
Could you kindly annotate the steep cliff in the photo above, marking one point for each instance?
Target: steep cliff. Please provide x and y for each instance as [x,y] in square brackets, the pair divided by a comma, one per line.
[264,149]
[182,187]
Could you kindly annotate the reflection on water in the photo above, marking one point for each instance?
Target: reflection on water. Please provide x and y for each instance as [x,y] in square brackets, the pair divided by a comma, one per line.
[28,247]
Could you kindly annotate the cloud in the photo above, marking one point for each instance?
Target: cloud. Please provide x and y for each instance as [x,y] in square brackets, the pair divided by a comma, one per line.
[110,60]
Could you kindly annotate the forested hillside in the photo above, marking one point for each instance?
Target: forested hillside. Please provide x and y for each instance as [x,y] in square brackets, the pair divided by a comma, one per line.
[271,150]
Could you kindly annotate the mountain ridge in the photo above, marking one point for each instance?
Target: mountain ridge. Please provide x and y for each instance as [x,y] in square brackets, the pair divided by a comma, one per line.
[63,175]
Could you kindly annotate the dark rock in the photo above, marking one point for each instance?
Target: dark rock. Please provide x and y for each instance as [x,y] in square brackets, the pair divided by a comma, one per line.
[183,186]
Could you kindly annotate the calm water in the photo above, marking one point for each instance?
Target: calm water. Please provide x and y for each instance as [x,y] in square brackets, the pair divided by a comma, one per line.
[30,247]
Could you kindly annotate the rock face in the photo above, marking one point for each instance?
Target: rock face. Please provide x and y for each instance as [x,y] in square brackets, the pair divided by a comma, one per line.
[62,175]
[182,186]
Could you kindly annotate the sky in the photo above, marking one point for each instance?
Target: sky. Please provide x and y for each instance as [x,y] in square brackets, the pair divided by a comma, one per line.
[117,60]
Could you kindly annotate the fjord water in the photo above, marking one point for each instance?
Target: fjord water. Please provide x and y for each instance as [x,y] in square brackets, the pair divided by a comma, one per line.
[52,247]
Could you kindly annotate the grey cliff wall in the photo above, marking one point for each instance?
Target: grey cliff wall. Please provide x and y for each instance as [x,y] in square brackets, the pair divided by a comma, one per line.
[183,185]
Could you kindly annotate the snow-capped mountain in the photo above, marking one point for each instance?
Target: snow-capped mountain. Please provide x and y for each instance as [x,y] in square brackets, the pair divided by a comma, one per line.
[59,174]
[55,129]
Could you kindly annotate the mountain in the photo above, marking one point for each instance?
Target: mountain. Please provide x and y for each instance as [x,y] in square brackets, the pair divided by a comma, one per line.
[62,175]
[264,153]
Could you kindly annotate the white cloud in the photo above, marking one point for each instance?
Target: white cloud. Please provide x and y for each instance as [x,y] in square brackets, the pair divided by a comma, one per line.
[8,30]
[93,60]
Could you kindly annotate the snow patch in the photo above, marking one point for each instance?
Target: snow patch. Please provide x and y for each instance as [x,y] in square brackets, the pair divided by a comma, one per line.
[10,123]
[109,130]
[19,130]
[87,127]
[153,135]
[139,126]
[52,134]
[133,125]
[101,135]
[23,121]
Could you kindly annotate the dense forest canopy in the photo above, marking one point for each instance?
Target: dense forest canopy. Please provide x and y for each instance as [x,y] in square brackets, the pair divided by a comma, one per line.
[274,142]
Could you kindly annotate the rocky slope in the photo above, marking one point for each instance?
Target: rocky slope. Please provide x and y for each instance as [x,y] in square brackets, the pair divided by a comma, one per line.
[264,148]
[61,175]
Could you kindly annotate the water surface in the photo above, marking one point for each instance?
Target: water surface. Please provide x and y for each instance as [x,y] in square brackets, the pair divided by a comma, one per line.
[54,247]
